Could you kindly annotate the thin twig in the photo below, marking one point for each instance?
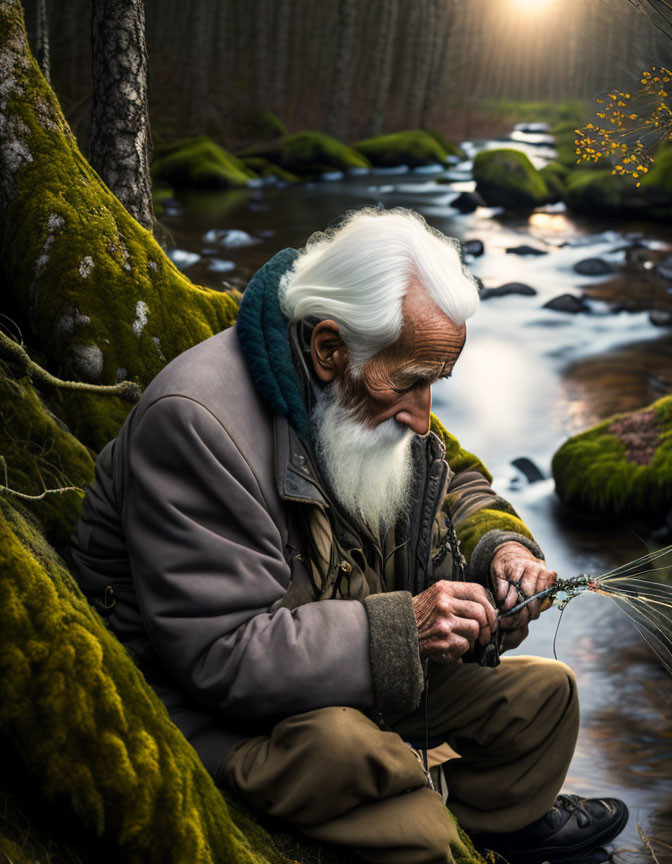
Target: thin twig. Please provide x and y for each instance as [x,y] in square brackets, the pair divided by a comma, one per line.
[13,351]
[645,840]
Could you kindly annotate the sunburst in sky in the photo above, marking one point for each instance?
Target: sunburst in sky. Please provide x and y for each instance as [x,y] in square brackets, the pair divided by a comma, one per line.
[533,5]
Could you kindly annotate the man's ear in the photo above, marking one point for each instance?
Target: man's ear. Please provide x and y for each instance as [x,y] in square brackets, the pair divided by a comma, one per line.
[328,351]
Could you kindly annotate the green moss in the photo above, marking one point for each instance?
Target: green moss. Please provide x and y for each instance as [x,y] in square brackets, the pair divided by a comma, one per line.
[552,113]
[200,162]
[657,183]
[81,268]
[38,452]
[308,154]
[88,726]
[594,470]
[414,147]
[553,176]
[261,126]
[499,517]
[600,191]
[450,147]
[506,178]
[264,168]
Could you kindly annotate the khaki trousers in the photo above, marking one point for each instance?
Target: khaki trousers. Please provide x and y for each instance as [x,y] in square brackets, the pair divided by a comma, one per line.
[341,779]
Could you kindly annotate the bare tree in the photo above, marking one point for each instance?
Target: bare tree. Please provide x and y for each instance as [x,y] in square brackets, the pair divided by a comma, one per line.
[381,74]
[659,12]
[282,28]
[425,37]
[262,51]
[42,53]
[339,97]
[120,148]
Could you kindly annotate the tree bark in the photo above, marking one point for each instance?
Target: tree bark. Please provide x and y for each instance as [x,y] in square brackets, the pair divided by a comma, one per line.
[279,86]
[382,66]
[339,101]
[120,148]
[42,53]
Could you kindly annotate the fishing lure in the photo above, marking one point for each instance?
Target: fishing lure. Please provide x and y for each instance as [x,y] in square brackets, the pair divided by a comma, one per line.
[647,603]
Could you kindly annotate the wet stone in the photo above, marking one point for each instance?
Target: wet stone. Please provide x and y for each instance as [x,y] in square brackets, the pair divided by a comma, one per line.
[528,469]
[661,317]
[525,250]
[467,202]
[509,288]
[593,267]
[567,303]
[475,248]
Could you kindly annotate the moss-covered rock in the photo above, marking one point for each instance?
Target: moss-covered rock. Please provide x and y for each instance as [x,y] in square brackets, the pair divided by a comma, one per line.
[554,175]
[308,154]
[103,299]
[414,147]
[260,126]
[200,163]
[601,191]
[622,466]
[506,178]
[264,168]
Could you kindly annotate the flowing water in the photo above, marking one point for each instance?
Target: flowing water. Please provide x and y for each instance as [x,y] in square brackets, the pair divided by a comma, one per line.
[528,378]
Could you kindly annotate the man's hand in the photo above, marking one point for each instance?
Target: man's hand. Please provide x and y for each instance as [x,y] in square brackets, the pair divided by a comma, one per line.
[450,617]
[514,568]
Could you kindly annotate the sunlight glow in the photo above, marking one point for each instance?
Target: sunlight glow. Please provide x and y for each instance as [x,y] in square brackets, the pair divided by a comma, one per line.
[533,5]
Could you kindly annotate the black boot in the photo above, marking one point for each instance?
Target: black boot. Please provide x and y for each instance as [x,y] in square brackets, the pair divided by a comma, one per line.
[571,830]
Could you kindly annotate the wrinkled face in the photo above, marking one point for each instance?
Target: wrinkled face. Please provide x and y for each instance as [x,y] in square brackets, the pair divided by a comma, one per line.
[396,382]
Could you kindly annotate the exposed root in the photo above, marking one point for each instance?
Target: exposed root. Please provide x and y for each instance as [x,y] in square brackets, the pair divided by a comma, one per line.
[16,353]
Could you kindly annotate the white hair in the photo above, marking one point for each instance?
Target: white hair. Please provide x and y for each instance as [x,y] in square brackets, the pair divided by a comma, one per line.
[358,273]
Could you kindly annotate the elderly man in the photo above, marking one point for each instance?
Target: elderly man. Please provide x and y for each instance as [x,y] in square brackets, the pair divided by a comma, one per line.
[282,541]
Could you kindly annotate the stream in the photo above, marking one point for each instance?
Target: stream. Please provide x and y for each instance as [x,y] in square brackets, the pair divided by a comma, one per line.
[528,378]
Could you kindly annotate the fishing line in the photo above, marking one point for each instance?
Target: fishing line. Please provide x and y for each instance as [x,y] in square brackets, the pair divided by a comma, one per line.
[557,630]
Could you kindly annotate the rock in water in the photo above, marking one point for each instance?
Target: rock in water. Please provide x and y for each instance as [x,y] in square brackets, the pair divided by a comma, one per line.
[506,178]
[593,267]
[528,469]
[622,466]
[661,317]
[567,303]
[508,288]
[525,250]
[467,202]
[475,248]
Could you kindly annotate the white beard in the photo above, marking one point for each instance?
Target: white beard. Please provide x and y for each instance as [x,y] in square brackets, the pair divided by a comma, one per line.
[369,470]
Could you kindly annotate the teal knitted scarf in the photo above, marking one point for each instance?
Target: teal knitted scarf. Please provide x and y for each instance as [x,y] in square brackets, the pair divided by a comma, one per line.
[263,333]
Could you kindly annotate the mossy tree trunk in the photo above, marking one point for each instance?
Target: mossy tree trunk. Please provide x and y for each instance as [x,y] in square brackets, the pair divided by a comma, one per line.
[104,301]
[120,148]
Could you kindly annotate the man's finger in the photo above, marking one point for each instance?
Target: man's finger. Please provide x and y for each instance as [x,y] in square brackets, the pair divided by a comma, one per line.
[474,592]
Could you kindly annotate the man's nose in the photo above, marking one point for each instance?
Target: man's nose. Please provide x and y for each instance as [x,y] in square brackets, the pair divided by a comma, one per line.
[414,409]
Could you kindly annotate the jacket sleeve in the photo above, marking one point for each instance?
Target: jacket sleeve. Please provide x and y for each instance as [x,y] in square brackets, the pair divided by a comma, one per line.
[482,519]
[207,564]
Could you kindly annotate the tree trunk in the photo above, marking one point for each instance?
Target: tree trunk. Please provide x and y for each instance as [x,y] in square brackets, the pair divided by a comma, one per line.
[262,46]
[382,66]
[120,148]
[424,36]
[339,101]
[445,14]
[279,86]
[42,53]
